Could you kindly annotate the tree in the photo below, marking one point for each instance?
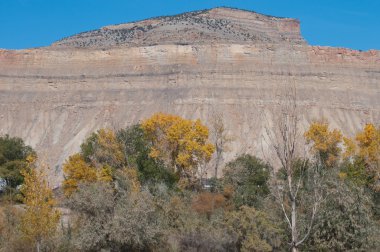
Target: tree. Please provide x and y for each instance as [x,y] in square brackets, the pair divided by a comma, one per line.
[204,235]
[182,144]
[40,218]
[368,142]
[136,151]
[364,152]
[346,221]
[325,143]
[355,171]
[116,217]
[249,178]
[220,139]
[137,222]
[13,154]
[362,161]
[255,230]
[285,142]
[100,154]
[11,238]
[92,204]
[133,143]
[76,171]
[102,148]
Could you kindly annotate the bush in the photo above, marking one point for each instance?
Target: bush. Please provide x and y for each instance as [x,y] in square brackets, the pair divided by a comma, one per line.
[346,221]
[13,154]
[248,177]
[116,218]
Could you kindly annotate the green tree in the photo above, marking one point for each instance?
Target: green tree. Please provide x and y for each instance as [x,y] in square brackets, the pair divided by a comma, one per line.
[346,220]
[255,230]
[362,162]
[204,235]
[136,151]
[248,177]
[13,154]
[355,171]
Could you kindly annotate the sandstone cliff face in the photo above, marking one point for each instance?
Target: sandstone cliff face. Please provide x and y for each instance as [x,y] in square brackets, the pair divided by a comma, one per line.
[54,97]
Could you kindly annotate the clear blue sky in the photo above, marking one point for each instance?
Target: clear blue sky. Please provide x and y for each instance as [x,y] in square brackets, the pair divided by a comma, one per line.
[33,23]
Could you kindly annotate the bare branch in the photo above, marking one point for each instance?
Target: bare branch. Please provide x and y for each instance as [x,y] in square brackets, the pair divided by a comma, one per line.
[310,225]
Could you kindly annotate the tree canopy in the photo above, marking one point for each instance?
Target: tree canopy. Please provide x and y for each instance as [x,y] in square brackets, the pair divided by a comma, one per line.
[40,219]
[138,189]
[13,154]
[181,144]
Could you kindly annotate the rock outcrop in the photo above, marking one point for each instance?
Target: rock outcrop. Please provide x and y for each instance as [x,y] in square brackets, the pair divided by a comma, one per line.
[230,61]
[221,25]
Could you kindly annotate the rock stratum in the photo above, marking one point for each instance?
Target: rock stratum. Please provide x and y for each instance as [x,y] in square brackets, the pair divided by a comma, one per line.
[231,61]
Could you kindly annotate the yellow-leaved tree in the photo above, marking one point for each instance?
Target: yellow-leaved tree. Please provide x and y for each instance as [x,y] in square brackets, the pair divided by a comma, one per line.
[102,147]
[325,143]
[365,148]
[369,144]
[182,144]
[77,171]
[40,219]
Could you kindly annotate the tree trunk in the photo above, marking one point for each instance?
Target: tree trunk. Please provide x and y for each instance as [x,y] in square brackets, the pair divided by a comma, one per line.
[217,161]
[294,225]
[38,246]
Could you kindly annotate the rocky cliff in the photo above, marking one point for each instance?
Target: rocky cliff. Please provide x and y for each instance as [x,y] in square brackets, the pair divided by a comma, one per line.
[231,61]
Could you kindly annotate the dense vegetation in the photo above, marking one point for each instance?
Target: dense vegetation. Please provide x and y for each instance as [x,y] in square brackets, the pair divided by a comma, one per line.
[13,154]
[143,188]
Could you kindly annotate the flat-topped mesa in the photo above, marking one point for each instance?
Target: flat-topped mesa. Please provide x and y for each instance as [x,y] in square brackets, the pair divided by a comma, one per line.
[219,25]
[237,63]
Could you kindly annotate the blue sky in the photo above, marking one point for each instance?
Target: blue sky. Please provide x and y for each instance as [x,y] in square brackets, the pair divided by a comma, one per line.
[33,23]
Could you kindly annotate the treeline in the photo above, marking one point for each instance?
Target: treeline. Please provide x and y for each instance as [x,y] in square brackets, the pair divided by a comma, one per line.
[144,188]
